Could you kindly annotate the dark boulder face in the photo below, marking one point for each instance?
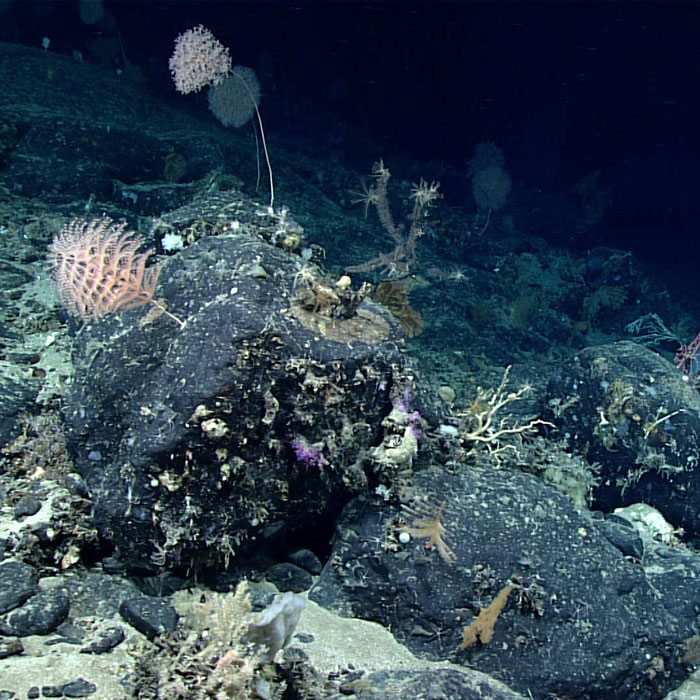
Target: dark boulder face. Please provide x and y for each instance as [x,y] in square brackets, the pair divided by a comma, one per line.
[248,423]
[636,416]
[579,618]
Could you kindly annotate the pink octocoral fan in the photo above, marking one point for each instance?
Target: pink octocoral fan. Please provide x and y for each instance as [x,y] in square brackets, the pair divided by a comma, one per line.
[688,357]
[198,60]
[98,270]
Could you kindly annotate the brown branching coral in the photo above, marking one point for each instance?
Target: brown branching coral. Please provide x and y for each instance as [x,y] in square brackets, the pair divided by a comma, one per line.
[398,262]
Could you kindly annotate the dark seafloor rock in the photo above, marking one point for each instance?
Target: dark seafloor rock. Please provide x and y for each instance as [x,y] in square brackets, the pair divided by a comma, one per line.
[19,394]
[581,620]
[307,560]
[18,581]
[634,414]
[102,151]
[150,616]
[41,614]
[289,577]
[250,423]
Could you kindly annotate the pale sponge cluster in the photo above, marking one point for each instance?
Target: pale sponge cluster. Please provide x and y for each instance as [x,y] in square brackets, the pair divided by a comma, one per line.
[198,60]
[233,100]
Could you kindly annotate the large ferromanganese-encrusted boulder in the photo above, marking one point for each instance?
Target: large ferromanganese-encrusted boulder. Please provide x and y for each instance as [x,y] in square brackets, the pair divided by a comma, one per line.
[251,422]
[635,416]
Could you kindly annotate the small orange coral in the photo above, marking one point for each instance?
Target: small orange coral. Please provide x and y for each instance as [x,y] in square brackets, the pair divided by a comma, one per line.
[482,628]
[426,524]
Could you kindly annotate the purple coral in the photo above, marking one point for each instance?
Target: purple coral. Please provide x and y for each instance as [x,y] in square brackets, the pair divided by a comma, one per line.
[403,404]
[310,455]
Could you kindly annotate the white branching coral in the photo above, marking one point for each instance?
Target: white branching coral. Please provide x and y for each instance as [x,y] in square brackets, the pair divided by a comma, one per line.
[481,427]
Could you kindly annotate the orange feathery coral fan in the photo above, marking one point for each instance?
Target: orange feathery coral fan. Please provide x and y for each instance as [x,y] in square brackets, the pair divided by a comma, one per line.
[98,270]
